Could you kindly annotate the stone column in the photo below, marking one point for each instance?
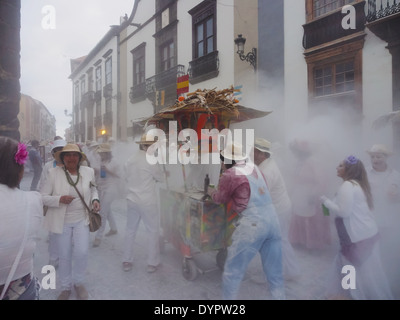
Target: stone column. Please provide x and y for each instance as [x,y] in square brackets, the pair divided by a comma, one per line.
[10,24]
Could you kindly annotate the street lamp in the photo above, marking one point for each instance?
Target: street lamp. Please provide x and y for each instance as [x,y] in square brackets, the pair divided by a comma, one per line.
[250,57]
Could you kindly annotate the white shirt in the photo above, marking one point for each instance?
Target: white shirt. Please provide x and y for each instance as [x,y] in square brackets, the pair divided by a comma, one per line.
[276,186]
[16,206]
[141,178]
[351,204]
[385,189]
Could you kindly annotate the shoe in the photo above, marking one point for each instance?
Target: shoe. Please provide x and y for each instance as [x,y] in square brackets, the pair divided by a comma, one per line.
[96,242]
[127,266]
[151,269]
[111,232]
[81,292]
[54,263]
[64,295]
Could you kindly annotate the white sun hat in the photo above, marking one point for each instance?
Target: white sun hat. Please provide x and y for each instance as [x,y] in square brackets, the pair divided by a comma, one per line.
[380,148]
[58,144]
[234,151]
[262,145]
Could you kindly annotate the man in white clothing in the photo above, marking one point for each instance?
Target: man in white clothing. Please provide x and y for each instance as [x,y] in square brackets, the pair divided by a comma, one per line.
[280,199]
[141,179]
[58,144]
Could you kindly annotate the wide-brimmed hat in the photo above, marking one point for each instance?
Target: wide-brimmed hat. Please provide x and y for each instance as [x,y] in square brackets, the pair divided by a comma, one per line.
[262,145]
[70,147]
[146,139]
[104,147]
[234,151]
[380,148]
[58,144]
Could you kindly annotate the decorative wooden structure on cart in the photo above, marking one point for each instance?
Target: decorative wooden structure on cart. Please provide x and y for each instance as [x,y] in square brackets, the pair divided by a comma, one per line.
[189,221]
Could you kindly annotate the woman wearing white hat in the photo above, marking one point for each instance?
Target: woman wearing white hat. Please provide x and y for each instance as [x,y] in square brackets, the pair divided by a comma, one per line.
[385,188]
[257,229]
[385,184]
[67,216]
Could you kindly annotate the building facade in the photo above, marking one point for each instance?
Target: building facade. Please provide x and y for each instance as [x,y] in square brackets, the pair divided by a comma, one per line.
[36,122]
[301,59]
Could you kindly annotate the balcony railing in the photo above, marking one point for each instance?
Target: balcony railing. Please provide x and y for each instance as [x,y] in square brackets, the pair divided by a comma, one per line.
[204,68]
[329,27]
[107,91]
[164,79]
[378,9]
[137,93]
[97,95]
[88,99]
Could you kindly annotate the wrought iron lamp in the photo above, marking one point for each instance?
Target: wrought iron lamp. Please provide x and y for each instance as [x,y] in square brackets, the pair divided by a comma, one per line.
[250,57]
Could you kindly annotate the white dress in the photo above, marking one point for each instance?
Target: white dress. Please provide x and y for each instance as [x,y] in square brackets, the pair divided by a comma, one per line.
[370,279]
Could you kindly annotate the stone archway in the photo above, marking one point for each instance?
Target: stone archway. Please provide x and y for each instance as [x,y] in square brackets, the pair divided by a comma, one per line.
[10,47]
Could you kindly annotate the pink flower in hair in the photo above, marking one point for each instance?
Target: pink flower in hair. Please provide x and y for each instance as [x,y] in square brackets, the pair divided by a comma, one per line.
[21,155]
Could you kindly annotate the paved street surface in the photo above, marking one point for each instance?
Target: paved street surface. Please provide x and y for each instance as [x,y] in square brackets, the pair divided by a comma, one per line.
[106,279]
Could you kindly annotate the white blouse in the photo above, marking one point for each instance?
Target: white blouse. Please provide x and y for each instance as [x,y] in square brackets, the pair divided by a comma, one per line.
[16,206]
[351,204]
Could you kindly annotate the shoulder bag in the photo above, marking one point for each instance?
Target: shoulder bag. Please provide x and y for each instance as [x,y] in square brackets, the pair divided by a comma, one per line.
[94,217]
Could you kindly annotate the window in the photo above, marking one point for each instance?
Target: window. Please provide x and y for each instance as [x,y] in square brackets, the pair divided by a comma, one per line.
[83,86]
[321,7]
[204,28]
[108,68]
[333,79]
[139,73]
[90,79]
[76,93]
[108,105]
[165,18]
[98,79]
[167,56]
[204,37]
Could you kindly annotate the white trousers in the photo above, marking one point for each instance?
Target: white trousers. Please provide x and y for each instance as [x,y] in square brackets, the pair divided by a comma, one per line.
[106,214]
[151,219]
[73,249]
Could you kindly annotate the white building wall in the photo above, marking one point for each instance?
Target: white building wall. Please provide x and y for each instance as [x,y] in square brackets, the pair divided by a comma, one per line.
[225,44]
[296,90]
[112,44]
[143,108]
[144,13]
[377,89]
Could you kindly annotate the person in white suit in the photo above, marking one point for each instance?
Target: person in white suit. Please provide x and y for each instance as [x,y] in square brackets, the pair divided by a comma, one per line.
[67,216]
[280,199]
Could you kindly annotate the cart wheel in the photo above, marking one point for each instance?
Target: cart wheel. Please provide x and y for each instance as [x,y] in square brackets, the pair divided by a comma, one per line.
[221,257]
[189,269]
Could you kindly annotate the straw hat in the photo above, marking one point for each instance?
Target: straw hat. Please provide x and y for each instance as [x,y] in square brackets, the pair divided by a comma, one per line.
[70,148]
[234,151]
[146,139]
[104,147]
[263,145]
[58,144]
[380,148]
